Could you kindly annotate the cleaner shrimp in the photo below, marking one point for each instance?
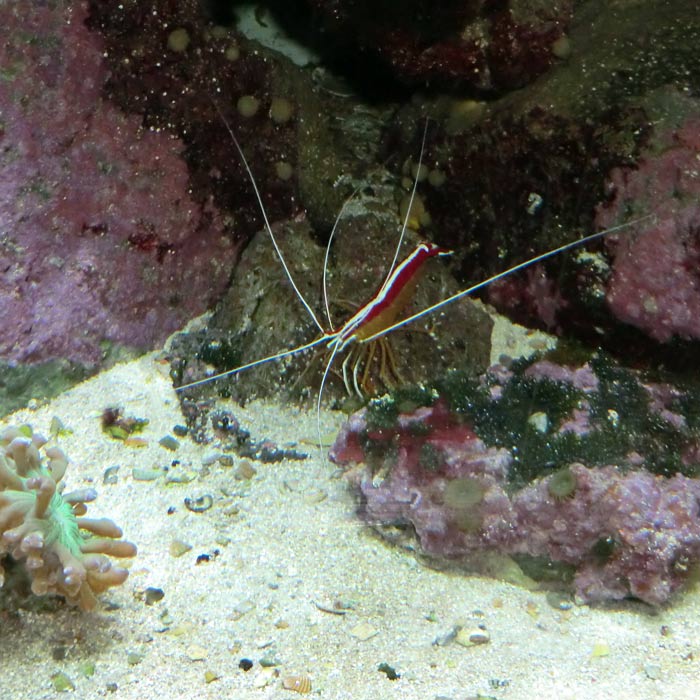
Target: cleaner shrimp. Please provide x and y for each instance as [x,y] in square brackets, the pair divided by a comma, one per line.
[362,339]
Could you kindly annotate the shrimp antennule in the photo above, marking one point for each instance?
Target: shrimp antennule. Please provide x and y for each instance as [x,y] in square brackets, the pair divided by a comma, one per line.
[268,227]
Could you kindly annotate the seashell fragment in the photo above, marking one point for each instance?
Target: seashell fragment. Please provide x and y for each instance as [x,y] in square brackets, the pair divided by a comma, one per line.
[363,631]
[299,684]
[472,637]
[199,505]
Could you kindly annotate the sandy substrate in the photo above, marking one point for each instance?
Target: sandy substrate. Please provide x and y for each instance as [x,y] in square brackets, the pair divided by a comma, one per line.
[289,544]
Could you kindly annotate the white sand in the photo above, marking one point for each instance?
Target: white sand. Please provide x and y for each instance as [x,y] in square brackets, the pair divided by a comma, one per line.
[285,549]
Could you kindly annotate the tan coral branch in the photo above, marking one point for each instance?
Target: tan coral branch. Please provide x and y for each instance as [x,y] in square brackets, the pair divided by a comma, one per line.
[41,528]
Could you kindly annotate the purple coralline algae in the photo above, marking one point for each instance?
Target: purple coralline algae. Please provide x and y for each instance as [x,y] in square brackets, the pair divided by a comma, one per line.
[643,278]
[625,527]
[102,243]
[655,281]
[168,62]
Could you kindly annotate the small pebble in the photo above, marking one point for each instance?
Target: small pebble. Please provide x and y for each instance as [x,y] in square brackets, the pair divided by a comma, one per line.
[539,421]
[212,458]
[652,671]
[61,683]
[389,671]
[153,595]
[264,677]
[178,548]
[169,443]
[111,475]
[600,649]
[138,442]
[206,557]
[269,659]
[364,631]
[181,477]
[180,430]
[211,676]
[133,658]
[446,638]
[140,474]
[166,618]
[244,471]
[87,669]
[242,608]
[196,653]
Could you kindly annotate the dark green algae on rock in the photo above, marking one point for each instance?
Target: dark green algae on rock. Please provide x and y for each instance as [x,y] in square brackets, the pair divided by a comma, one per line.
[551,415]
[583,476]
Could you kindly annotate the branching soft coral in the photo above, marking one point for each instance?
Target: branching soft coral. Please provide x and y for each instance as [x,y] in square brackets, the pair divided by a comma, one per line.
[42,527]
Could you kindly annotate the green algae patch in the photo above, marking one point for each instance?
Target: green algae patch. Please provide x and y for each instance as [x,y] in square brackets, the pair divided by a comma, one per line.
[382,414]
[548,424]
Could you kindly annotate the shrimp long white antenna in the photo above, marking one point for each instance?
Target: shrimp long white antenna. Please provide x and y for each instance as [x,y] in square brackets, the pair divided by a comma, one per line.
[278,250]
[410,205]
[399,243]
[319,396]
[505,273]
[328,252]
[255,363]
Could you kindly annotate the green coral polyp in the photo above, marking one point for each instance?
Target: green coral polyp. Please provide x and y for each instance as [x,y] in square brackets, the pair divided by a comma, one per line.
[562,484]
[464,492]
[63,525]
[43,528]
[464,496]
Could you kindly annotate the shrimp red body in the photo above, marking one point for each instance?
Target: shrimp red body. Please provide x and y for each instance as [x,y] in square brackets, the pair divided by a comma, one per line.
[381,310]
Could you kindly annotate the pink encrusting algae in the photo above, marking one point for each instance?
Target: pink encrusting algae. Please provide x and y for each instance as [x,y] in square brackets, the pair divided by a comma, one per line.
[655,282]
[102,243]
